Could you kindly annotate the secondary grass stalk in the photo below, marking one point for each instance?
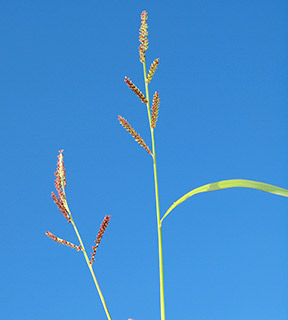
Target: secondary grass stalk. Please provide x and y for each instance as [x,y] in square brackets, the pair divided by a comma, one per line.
[88,262]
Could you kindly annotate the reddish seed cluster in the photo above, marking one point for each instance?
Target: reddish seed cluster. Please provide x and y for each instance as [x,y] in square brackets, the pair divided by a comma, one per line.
[60,183]
[101,231]
[60,206]
[155,109]
[60,174]
[125,124]
[66,243]
[152,70]
[143,33]
[132,86]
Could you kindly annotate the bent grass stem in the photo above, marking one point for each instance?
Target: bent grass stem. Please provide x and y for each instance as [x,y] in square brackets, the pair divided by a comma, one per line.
[87,260]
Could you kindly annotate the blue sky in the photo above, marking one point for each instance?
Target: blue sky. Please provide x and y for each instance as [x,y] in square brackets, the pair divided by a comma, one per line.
[222,81]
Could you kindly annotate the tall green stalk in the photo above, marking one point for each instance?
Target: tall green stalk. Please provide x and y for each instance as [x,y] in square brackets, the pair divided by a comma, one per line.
[160,249]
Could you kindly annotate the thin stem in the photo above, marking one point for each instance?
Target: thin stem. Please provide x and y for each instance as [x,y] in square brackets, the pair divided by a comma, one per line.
[87,259]
[160,250]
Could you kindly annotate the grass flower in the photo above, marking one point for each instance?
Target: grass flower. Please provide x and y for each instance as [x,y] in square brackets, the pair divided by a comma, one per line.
[61,202]
[102,229]
[143,33]
[155,109]
[152,70]
[60,183]
[66,243]
[125,124]
[61,206]
[132,86]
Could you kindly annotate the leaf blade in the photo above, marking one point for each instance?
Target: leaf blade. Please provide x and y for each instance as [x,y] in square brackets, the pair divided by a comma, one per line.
[226,184]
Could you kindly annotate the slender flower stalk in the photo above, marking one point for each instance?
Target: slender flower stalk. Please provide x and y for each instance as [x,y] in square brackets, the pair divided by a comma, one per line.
[60,184]
[142,51]
[143,33]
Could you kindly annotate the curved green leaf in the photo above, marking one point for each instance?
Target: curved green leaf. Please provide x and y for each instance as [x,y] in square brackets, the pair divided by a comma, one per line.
[225,184]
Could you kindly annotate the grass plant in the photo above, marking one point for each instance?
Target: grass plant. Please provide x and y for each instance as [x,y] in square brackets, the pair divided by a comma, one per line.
[152,112]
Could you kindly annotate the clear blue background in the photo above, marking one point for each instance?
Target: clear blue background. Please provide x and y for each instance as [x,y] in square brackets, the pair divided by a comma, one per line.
[222,80]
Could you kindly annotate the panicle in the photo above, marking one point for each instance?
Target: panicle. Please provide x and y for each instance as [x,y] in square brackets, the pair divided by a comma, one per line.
[143,33]
[132,86]
[152,70]
[66,243]
[155,109]
[125,124]
[101,231]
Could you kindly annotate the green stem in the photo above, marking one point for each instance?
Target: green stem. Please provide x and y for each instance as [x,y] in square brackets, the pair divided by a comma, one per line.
[86,258]
[160,250]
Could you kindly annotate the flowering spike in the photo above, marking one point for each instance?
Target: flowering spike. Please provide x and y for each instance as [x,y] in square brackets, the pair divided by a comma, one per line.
[125,124]
[60,175]
[155,109]
[101,231]
[60,183]
[66,243]
[132,86]
[152,70]
[143,33]
[61,206]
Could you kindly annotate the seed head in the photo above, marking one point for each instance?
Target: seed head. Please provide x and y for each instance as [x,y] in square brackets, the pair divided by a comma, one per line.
[59,240]
[101,231]
[155,109]
[143,33]
[132,86]
[125,124]
[152,70]
[60,183]
[61,206]
[60,175]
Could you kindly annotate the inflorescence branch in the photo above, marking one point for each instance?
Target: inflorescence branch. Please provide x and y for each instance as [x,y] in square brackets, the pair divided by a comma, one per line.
[132,86]
[152,70]
[155,109]
[125,124]
[60,183]
[66,243]
[102,229]
[143,33]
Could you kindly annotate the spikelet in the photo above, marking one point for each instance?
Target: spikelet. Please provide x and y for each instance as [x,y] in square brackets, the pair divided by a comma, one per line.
[102,229]
[132,86]
[66,243]
[155,109]
[152,70]
[143,33]
[125,124]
